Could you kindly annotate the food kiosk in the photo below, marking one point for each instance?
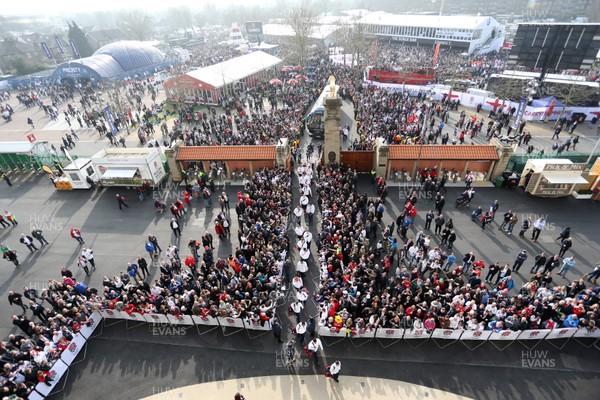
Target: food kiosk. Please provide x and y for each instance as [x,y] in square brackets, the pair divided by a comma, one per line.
[129,167]
[114,167]
[552,177]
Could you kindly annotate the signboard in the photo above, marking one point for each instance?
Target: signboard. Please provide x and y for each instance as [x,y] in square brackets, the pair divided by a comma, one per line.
[180,320]
[47,50]
[112,314]
[449,334]
[229,322]
[156,318]
[59,44]
[254,28]
[331,332]
[257,325]
[520,112]
[34,396]
[205,320]
[93,320]
[394,334]
[134,316]
[110,120]
[416,334]
[593,333]
[69,354]
[505,335]
[534,334]
[56,372]
[564,167]
[363,334]
[31,138]
[74,48]
[475,335]
[563,333]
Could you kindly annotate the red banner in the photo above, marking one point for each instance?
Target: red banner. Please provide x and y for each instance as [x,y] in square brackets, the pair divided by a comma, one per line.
[436,53]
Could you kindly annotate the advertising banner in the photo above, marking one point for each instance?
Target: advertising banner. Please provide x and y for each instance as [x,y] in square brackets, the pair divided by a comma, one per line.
[385,333]
[534,334]
[331,332]
[362,333]
[416,334]
[74,48]
[181,320]
[47,50]
[505,335]
[109,119]
[562,333]
[475,335]
[94,320]
[593,333]
[56,372]
[134,316]
[112,314]
[69,354]
[59,43]
[229,322]
[257,325]
[520,112]
[156,318]
[205,320]
[451,334]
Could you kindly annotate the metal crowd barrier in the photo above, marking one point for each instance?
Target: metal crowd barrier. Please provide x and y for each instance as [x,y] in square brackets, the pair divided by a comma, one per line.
[444,337]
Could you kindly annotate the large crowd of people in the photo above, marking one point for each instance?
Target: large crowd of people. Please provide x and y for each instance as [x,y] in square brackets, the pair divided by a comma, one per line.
[414,283]
[58,313]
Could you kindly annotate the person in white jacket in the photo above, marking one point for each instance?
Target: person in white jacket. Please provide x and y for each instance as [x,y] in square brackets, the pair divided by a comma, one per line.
[334,370]
[313,349]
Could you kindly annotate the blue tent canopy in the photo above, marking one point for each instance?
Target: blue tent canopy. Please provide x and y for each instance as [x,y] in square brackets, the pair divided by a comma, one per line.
[545,102]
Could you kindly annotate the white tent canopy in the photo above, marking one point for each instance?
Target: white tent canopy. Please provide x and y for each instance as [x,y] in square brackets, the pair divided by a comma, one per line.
[230,71]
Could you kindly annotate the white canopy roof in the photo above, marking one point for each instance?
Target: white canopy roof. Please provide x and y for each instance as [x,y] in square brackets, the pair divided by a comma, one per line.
[230,71]
[426,21]
[565,178]
[119,173]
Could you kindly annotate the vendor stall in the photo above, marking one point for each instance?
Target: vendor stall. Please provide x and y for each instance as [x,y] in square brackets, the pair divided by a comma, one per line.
[129,167]
[80,174]
[552,177]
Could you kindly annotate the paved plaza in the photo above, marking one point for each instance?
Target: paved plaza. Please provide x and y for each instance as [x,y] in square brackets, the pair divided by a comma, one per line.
[138,363]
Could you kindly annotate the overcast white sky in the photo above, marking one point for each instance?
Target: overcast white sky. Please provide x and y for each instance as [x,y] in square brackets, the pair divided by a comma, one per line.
[55,7]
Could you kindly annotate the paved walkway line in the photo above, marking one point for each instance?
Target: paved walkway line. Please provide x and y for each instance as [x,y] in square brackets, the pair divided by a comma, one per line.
[303,387]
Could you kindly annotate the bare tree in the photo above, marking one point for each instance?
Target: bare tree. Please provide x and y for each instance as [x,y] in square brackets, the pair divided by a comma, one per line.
[302,21]
[136,23]
[357,42]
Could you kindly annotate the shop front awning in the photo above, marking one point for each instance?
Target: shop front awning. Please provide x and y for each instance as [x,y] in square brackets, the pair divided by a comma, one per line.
[119,173]
[564,178]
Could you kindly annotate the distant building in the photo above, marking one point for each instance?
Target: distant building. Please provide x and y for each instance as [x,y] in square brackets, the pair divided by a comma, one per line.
[103,37]
[320,34]
[473,34]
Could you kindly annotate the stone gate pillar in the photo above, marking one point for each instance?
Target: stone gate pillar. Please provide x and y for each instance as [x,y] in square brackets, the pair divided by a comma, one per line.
[332,103]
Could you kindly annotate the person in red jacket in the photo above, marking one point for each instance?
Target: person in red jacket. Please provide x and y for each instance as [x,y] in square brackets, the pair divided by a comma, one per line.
[76,234]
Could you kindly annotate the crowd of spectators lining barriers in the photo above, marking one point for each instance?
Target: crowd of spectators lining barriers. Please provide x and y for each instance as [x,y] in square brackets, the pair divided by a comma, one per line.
[359,289]
[363,284]
[241,286]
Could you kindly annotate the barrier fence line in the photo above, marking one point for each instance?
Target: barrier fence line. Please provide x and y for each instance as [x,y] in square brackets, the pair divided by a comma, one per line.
[386,337]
